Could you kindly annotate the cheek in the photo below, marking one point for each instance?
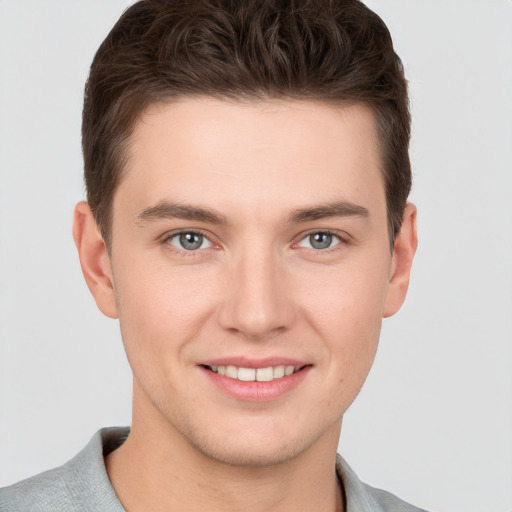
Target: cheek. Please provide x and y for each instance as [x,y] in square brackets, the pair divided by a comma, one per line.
[348,299]
[161,309]
[346,313]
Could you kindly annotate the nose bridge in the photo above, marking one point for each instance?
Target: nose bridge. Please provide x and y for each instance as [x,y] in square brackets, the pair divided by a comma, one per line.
[256,303]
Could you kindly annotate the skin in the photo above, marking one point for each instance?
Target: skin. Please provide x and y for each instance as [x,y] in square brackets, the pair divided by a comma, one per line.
[256,288]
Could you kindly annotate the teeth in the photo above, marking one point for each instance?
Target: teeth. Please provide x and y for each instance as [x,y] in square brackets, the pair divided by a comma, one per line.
[289,370]
[246,374]
[253,374]
[232,372]
[265,374]
[278,372]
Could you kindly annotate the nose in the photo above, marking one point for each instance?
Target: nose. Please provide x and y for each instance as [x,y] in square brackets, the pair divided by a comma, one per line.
[257,303]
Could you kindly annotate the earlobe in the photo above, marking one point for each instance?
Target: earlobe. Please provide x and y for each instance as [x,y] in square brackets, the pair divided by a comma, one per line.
[403,253]
[94,259]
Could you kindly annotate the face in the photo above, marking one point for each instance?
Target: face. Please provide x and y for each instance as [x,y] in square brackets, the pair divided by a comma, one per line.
[251,269]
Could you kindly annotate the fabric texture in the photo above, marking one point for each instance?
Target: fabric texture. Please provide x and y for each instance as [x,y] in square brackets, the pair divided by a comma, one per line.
[82,484]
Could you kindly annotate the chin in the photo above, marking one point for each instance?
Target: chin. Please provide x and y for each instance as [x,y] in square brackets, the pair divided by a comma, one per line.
[261,454]
[250,446]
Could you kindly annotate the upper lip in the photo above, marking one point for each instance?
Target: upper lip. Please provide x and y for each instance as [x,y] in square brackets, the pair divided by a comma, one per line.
[246,362]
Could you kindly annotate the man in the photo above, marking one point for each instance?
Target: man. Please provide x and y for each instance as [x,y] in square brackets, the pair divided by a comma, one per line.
[247,221]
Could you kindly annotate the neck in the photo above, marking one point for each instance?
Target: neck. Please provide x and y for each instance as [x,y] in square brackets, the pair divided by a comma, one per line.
[157,469]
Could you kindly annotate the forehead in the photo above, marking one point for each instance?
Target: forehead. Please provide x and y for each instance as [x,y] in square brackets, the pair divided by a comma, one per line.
[281,151]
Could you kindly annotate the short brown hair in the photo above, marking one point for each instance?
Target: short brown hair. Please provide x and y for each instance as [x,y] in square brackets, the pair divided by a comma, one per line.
[335,51]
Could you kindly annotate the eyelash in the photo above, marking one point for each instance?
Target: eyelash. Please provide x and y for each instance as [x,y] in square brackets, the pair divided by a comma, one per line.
[184,252]
[343,241]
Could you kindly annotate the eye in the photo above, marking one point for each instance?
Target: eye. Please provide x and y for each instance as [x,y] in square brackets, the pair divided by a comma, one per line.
[320,240]
[189,241]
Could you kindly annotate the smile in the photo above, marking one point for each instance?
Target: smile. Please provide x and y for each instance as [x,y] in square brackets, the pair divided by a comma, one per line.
[267,374]
[256,380]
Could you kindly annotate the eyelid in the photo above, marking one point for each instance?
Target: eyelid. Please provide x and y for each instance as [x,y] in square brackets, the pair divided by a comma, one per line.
[165,238]
[344,239]
[203,239]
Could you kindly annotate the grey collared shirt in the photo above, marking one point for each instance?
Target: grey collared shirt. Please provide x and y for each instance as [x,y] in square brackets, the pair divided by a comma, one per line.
[82,485]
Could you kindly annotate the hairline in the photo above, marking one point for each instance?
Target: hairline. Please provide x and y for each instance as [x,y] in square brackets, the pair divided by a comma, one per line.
[125,144]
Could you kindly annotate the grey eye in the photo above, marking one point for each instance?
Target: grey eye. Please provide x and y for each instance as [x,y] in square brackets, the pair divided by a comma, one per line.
[189,241]
[320,240]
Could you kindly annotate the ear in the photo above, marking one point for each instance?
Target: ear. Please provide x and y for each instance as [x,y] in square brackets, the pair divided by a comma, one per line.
[403,253]
[94,259]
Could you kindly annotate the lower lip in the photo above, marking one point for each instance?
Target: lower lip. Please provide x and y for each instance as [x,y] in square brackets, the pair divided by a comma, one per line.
[255,391]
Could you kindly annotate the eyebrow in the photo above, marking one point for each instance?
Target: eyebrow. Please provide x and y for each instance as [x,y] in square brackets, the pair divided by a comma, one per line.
[324,211]
[167,210]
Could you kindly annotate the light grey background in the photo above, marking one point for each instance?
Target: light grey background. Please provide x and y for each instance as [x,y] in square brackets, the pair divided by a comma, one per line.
[434,422]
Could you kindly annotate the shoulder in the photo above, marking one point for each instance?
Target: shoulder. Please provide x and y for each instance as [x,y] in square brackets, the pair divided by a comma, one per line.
[361,497]
[51,490]
[81,484]
[389,502]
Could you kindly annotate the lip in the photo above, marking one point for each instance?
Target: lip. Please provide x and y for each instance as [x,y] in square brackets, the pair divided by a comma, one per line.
[255,391]
[246,362]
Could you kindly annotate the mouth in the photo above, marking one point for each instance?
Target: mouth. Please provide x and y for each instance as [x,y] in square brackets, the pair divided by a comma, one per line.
[256,379]
[267,374]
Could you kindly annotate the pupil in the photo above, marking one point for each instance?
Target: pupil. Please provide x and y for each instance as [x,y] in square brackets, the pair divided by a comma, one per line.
[191,241]
[320,240]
